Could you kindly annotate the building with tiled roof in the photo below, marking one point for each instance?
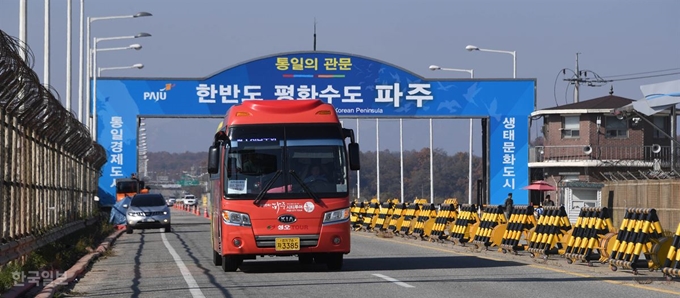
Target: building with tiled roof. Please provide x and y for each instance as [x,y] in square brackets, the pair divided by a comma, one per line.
[586,143]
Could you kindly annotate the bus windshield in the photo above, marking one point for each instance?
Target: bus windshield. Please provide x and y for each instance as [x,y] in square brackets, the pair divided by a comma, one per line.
[127,186]
[286,161]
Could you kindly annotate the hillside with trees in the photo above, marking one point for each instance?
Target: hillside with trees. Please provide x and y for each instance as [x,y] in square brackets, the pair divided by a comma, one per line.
[450,173]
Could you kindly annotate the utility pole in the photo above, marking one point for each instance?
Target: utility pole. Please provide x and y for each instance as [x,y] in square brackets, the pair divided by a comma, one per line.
[578,78]
[581,77]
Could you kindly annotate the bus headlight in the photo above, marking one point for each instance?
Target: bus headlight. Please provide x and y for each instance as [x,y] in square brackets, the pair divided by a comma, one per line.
[336,216]
[235,218]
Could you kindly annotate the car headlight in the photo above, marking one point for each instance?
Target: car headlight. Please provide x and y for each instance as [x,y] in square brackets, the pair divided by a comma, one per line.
[336,216]
[135,214]
[235,218]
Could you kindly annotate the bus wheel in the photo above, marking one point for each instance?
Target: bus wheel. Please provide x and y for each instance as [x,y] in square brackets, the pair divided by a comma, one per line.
[217,259]
[306,259]
[334,261]
[231,264]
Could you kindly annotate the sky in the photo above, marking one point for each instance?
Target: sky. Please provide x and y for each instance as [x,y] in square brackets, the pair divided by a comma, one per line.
[195,38]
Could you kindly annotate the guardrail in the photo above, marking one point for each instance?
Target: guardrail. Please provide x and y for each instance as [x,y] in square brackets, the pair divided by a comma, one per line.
[17,248]
[50,164]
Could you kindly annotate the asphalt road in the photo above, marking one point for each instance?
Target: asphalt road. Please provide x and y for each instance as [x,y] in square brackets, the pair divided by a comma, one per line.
[179,264]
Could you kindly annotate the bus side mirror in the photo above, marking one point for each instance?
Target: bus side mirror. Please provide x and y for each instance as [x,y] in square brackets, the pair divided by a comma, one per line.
[354,163]
[348,133]
[213,159]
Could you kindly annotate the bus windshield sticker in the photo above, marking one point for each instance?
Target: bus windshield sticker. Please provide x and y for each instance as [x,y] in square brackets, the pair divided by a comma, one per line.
[256,140]
[237,186]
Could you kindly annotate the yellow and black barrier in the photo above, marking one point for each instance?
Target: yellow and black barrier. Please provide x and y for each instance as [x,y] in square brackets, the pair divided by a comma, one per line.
[671,268]
[640,233]
[384,214]
[446,215]
[424,221]
[397,218]
[408,216]
[520,223]
[355,211]
[491,227]
[371,215]
[551,232]
[465,225]
[591,236]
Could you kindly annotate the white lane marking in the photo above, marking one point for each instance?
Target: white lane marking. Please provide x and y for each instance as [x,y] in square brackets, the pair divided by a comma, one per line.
[188,278]
[396,281]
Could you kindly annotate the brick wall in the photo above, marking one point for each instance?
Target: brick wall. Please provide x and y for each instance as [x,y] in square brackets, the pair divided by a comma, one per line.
[589,136]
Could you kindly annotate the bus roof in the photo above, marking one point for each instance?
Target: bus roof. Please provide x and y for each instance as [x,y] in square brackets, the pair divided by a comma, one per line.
[280,111]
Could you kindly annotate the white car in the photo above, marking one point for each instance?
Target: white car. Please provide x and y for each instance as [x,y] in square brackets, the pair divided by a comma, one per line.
[189,200]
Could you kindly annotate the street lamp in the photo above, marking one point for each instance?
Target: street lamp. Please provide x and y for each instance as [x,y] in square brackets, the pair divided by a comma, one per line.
[94,67]
[86,89]
[470,71]
[138,66]
[471,48]
[94,85]
[134,46]
[472,75]
[94,50]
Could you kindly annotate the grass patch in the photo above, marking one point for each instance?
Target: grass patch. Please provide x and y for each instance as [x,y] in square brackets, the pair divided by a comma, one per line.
[59,255]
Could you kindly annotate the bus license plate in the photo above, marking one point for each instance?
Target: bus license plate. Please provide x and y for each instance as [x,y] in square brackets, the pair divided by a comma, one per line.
[287,244]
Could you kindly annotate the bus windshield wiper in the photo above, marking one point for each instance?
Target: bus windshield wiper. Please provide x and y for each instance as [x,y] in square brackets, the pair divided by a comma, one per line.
[266,188]
[304,186]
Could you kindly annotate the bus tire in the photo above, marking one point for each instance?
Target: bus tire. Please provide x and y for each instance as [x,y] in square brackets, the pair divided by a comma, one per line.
[217,258]
[231,264]
[334,261]
[305,259]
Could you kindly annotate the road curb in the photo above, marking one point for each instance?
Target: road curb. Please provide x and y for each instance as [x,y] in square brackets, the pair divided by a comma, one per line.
[78,267]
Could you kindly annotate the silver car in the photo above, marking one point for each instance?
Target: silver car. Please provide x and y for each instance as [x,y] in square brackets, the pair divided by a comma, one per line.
[148,211]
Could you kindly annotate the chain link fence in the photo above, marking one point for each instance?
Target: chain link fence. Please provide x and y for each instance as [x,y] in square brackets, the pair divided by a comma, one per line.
[49,163]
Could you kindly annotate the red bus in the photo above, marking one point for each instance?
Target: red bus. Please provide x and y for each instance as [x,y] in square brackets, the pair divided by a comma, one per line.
[128,187]
[279,174]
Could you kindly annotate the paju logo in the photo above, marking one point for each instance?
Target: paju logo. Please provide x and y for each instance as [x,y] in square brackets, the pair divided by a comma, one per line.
[160,94]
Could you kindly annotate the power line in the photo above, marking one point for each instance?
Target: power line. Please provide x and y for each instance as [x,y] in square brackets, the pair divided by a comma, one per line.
[592,79]
[641,73]
[562,71]
[644,77]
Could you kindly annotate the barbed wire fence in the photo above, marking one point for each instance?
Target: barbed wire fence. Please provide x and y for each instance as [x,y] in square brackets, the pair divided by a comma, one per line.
[49,163]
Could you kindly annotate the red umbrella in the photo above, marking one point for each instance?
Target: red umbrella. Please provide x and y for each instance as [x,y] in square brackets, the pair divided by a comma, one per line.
[540,185]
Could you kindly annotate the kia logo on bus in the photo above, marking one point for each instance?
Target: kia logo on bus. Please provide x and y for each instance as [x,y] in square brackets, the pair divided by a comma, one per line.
[287,218]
